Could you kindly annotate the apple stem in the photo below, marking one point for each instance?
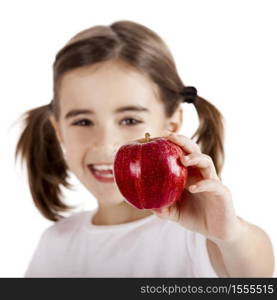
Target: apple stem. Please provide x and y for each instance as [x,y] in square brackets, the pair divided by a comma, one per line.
[147,137]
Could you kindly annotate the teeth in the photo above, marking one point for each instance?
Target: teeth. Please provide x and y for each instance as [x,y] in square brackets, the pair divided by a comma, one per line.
[103,167]
[104,175]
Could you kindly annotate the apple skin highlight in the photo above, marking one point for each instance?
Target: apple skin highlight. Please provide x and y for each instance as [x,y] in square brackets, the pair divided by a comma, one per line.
[149,173]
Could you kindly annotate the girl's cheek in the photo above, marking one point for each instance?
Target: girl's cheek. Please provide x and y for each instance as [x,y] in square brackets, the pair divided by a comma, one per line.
[75,144]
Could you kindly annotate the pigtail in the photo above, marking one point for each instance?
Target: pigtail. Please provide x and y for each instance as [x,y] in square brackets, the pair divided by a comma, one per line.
[40,149]
[210,133]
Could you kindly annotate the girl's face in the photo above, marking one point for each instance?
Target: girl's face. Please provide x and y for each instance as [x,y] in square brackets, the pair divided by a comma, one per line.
[104,106]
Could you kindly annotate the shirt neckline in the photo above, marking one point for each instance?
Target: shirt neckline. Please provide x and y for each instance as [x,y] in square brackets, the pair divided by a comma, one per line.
[92,227]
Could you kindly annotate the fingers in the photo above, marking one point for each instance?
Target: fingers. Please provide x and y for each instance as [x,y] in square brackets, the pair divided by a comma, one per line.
[202,161]
[185,143]
[209,185]
[196,157]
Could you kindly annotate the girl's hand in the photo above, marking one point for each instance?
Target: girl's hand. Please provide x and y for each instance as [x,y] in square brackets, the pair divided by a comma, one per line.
[207,208]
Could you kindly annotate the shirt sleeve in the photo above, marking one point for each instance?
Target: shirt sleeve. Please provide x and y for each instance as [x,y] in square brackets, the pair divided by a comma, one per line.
[201,263]
[38,265]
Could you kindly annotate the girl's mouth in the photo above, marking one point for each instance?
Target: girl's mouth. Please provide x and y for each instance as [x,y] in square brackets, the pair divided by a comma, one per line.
[103,175]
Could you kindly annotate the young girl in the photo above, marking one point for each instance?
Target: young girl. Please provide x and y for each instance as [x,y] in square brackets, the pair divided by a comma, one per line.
[112,84]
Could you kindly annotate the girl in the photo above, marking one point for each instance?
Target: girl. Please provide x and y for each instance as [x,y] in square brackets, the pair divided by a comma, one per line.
[111,85]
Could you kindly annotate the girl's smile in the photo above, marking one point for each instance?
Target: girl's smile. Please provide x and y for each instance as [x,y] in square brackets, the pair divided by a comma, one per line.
[101,172]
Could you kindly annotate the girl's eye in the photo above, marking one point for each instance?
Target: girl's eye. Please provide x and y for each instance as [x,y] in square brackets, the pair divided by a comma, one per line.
[86,122]
[83,122]
[132,122]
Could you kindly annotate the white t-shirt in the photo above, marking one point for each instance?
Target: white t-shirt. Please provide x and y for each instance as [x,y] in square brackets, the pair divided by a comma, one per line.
[149,247]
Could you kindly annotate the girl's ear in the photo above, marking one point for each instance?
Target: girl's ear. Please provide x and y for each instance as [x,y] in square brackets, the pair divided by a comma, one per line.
[56,128]
[174,123]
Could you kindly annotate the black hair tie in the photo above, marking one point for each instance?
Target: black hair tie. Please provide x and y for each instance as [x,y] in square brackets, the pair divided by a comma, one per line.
[189,93]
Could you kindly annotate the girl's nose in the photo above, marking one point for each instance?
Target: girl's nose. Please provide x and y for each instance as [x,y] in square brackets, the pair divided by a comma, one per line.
[106,140]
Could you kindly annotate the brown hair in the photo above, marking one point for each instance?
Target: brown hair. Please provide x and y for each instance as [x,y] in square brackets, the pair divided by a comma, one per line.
[135,45]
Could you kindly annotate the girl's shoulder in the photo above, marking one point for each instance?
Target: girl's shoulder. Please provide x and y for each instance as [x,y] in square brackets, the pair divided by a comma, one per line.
[67,225]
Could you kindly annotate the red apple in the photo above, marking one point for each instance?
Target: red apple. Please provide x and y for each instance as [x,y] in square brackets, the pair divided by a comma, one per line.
[149,173]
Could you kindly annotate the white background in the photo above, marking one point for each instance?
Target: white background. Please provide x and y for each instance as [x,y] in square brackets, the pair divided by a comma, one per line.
[227,49]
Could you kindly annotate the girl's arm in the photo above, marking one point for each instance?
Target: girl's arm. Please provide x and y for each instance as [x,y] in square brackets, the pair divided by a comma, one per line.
[250,254]
[237,248]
